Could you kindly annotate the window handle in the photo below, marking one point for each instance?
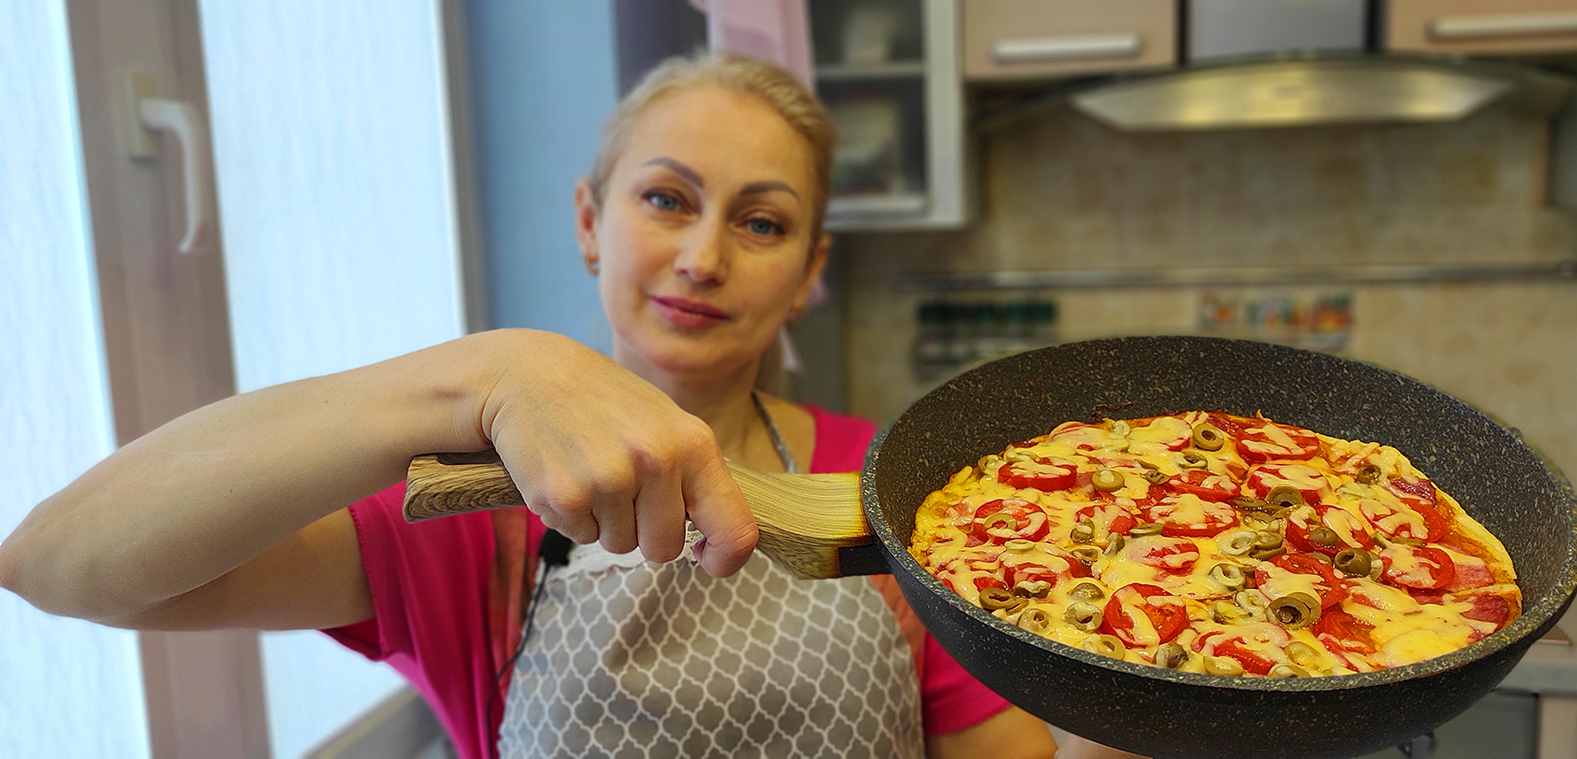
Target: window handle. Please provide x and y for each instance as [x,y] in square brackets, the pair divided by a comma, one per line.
[182,121]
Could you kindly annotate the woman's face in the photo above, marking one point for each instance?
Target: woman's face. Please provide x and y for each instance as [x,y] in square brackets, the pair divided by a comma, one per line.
[703,240]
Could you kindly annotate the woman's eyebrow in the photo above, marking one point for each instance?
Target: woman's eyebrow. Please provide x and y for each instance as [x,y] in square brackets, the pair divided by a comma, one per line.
[768,186]
[682,170]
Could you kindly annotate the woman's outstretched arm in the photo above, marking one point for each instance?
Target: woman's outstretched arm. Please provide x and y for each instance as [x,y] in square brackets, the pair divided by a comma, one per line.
[232,515]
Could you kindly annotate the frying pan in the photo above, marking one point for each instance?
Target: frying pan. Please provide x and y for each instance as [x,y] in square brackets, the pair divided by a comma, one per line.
[1496,477]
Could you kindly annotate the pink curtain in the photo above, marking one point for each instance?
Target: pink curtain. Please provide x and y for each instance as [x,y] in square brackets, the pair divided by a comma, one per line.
[771,30]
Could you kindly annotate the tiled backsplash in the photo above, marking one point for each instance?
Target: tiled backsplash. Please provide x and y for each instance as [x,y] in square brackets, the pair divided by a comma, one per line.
[1063,192]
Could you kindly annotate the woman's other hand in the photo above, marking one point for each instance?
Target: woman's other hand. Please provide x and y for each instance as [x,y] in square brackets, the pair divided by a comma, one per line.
[602,455]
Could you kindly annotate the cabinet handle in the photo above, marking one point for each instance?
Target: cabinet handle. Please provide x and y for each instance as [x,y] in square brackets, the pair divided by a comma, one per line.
[1079,47]
[1509,25]
[182,121]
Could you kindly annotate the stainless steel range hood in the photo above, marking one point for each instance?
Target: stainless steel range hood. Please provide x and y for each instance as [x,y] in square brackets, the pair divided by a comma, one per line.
[1313,89]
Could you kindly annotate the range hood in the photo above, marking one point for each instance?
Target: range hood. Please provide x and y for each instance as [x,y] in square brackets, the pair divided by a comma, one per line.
[1252,63]
[1314,89]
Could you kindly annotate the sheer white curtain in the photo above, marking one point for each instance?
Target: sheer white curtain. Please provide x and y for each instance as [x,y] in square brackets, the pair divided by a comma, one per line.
[67,688]
[332,151]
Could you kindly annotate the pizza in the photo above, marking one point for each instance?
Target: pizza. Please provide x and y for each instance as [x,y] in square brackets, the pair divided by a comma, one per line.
[1209,542]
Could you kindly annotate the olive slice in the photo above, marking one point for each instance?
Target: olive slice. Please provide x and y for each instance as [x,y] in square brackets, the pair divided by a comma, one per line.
[1302,654]
[1294,611]
[1250,503]
[1088,591]
[1114,544]
[1105,645]
[1086,554]
[1107,480]
[1226,613]
[1353,562]
[1223,665]
[1229,576]
[1032,588]
[1208,438]
[1171,655]
[1000,519]
[1324,536]
[1019,544]
[1266,554]
[1083,616]
[1238,542]
[1284,496]
[1267,539]
[1083,532]
[1194,460]
[992,599]
[1035,619]
[1146,464]
[1148,528]
[1256,520]
[1288,670]
[1369,474]
[1155,476]
[1250,599]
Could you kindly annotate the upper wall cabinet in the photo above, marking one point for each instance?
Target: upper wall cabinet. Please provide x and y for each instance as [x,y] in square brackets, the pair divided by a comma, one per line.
[888,72]
[1023,39]
[1493,27]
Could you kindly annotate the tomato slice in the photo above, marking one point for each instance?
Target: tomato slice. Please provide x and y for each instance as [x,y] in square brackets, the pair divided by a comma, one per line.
[1189,515]
[1029,521]
[1171,432]
[1332,588]
[1308,480]
[1109,519]
[1058,568]
[1421,567]
[1044,474]
[1345,630]
[1205,484]
[1084,437]
[1251,661]
[1164,610]
[1173,554]
[1269,441]
[987,581]
[1351,531]
[1406,521]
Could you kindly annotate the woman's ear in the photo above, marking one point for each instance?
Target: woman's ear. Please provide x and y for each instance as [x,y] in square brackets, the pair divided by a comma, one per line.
[586,226]
[812,283]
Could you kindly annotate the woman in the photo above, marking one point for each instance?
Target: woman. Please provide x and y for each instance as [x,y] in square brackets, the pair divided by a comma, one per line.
[702,223]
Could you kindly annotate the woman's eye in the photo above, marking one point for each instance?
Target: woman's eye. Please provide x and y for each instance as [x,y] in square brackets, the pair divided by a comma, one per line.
[663,201]
[762,226]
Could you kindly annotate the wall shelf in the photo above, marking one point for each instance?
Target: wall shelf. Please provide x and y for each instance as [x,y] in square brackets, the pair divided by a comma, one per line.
[1242,275]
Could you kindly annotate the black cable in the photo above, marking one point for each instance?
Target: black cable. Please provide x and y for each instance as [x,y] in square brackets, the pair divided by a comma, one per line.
[552,551]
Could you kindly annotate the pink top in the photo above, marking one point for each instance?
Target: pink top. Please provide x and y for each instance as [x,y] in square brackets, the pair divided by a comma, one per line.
[432,620]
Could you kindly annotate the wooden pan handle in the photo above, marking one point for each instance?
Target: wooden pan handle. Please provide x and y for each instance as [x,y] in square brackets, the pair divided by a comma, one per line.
[804,519]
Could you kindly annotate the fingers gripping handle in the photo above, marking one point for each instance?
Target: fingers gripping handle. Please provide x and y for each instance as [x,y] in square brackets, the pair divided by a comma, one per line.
[804,520]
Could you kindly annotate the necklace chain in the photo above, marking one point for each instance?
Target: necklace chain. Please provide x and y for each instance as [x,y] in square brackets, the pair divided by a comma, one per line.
[784,455]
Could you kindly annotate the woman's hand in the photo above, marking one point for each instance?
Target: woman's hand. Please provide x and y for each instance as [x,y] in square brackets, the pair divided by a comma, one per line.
[602,455]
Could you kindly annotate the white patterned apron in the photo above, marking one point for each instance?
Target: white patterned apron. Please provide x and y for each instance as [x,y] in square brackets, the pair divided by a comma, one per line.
[633,659]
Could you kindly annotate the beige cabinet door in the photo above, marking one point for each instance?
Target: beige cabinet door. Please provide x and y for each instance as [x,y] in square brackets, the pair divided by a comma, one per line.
[1020,39]
[1505,27]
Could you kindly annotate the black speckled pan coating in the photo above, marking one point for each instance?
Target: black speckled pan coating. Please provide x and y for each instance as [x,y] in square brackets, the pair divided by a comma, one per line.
[1496,477]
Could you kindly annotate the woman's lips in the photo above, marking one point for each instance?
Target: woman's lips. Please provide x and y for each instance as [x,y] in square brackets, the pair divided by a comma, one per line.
[688,313]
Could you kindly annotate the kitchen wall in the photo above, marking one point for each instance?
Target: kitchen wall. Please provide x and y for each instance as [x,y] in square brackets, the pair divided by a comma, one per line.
[1061,191]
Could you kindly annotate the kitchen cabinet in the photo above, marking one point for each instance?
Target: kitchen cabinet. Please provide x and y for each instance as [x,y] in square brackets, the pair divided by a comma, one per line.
[888,72]
[1485,27]
[1025,39]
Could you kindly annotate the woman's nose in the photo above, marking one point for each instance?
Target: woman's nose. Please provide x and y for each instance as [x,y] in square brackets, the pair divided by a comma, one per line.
[704,253]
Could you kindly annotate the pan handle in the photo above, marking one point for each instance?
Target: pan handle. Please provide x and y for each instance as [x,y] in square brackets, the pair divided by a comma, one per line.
[804,519]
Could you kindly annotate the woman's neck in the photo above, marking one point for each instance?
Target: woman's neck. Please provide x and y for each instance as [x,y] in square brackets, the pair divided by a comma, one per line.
[722,401]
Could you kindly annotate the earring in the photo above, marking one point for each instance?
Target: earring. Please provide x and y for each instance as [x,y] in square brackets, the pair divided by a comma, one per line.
[594,266]
[794,314]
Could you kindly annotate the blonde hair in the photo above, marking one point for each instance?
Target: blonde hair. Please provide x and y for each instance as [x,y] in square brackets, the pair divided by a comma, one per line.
[767,82]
